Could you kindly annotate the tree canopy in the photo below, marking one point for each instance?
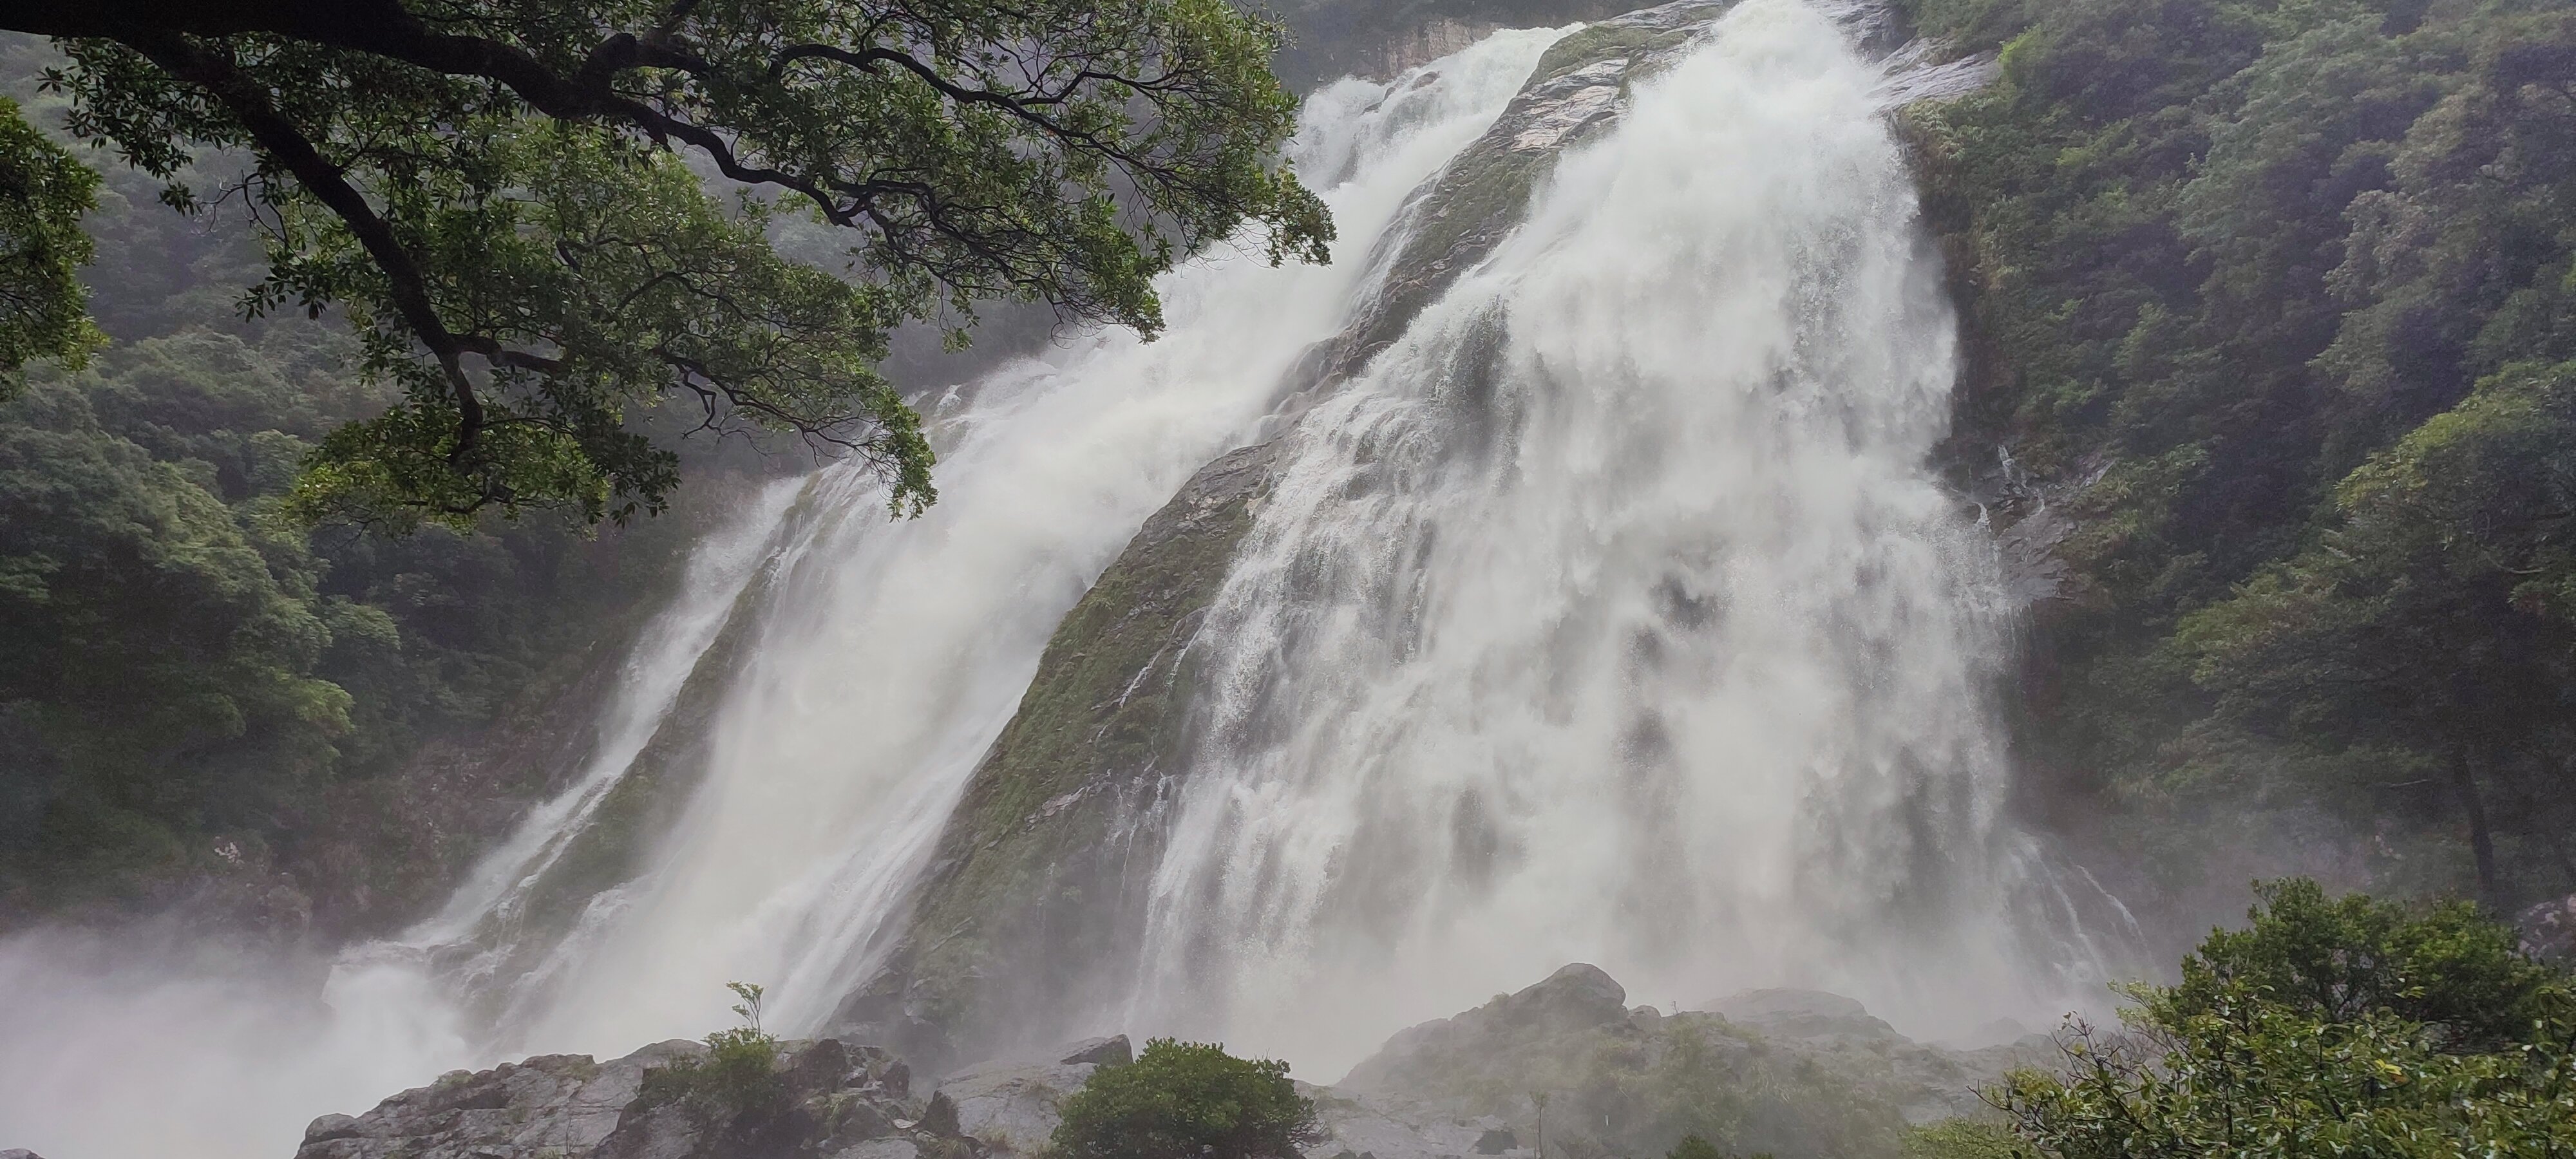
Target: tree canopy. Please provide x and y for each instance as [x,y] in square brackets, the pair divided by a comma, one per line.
[44,190]
[525,206]
[2328,1027]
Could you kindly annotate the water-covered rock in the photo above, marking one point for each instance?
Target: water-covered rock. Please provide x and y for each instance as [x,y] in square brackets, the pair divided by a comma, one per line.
[1783,1013]
[1577,90]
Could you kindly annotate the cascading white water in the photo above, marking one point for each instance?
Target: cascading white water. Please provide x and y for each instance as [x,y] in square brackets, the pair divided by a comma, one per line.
[1613,615]
[886,658]
[895,653]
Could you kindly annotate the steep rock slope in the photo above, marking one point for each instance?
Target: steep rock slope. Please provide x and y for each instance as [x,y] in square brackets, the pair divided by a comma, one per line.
[1801,1073]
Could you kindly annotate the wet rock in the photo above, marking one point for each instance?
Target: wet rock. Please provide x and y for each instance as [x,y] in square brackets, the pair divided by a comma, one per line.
[834,1101]
[1803,1073]
[1575,1000]
[1014,1106]
[1801,1014]
[1362,1128]
[1032,894]
[1111,1051]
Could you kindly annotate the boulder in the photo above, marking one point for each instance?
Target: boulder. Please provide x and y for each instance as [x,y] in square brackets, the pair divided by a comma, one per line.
[1012,1105]
[1800,1014]
[1792,1072]
[1362,1128]
[1577,999]
[1111,1051]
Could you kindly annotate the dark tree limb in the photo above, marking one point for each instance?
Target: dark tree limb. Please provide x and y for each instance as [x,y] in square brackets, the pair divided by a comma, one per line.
[409,291]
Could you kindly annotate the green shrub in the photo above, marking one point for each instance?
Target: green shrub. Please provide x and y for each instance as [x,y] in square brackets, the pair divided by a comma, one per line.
[2328,1028]
[735,1081]
[1961,1139]
[1187,1100]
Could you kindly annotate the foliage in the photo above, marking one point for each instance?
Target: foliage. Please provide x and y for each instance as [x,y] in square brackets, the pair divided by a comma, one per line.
[43,192]
[508,200]
[191,682]
[183,669]
[1185,1100]
[1960,1139]
[2328,1027]
[1694,1147]
[736,1081]
[2277,295]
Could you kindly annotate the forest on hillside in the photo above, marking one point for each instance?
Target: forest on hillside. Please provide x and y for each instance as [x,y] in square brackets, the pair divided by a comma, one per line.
[2273,299]
[194,687]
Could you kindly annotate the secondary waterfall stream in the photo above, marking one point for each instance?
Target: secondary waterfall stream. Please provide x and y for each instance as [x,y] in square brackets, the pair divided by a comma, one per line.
[1612,614]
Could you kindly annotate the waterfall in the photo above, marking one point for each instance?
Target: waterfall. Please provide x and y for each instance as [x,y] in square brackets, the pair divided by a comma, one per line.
[1613,614]
[889,655]
[872,664]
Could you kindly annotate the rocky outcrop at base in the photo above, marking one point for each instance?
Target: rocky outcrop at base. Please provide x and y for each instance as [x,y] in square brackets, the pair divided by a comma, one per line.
[832,1102]
[1790,1072]
[1799,1073]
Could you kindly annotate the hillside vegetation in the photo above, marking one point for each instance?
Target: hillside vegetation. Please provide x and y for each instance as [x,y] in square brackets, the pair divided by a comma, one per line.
[2273,300]
[190,683]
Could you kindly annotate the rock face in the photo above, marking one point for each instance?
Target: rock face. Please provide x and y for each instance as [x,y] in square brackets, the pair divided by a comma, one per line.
[835,1102]
[1420,1061]
[1033,886]
[1013,1106]
[1801,1014]
[1791,1072]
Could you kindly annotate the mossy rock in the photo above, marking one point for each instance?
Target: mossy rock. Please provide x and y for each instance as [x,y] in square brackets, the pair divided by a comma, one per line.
[1026,895]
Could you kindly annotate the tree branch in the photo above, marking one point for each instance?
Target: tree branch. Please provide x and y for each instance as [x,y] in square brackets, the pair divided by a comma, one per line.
[250,104]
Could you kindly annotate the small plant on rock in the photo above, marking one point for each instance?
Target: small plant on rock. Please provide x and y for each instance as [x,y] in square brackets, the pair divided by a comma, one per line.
[735,1080]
